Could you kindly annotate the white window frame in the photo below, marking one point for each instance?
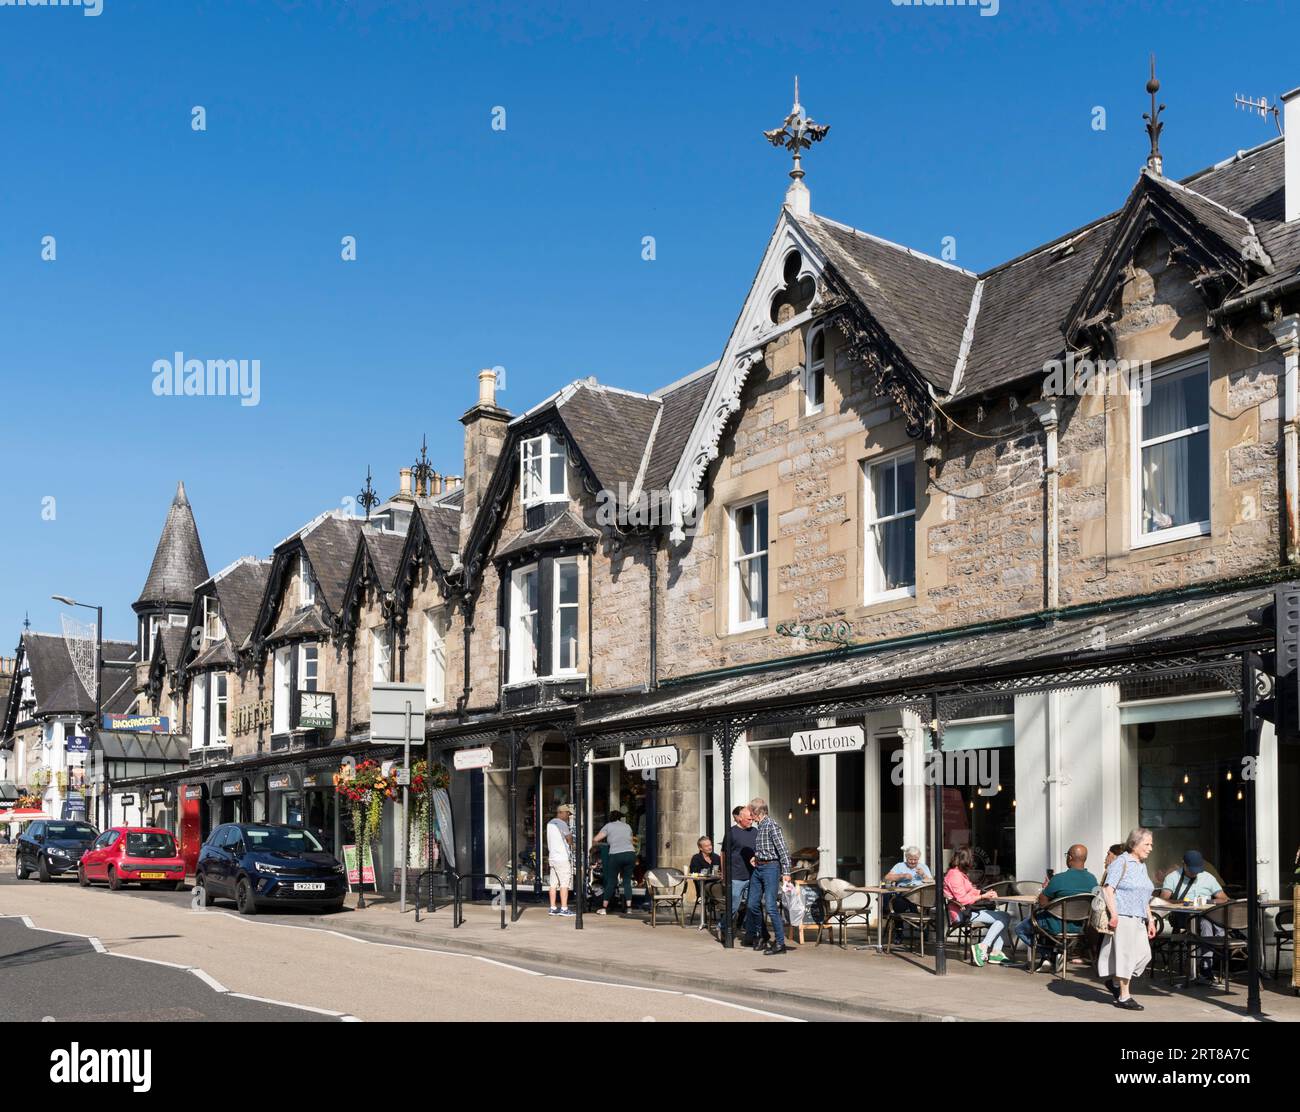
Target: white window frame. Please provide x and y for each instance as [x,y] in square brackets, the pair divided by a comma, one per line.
[306,584]
[871,569]
[1198,363]
[381,656]
[435,658]
[214,629]
[281,677]
[522,666]
[735,558]
[813,367]
[556,606]
[219,689]
[547,448]
[306,682]
[199,712]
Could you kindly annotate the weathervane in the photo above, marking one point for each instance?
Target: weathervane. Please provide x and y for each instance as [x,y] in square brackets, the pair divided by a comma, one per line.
[1155,161]
[422,472]
[796,135]
[368,499]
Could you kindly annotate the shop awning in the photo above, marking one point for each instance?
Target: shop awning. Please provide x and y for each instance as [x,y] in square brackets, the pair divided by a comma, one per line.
[122,746]
[8,791]
[1071,643]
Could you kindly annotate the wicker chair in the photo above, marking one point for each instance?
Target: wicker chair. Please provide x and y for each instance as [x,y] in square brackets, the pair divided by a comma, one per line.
[921,919]
[665,888]
[1233,918]
[840,904]
[1283,936]
[1068,911]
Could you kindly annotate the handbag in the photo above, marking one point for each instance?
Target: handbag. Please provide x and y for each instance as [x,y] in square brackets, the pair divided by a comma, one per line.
[1099,914]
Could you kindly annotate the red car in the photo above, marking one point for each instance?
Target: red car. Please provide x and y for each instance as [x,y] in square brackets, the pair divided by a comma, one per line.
[130,855]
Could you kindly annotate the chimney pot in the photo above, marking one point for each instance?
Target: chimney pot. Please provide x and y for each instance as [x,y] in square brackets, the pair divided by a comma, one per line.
[1291,158]
[487,387]
[437,483]
[405,474]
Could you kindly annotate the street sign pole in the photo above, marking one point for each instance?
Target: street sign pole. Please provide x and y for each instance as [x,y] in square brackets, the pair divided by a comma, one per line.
[406,802]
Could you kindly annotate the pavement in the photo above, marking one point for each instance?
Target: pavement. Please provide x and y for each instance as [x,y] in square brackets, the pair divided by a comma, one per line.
[856,982]
[295,964]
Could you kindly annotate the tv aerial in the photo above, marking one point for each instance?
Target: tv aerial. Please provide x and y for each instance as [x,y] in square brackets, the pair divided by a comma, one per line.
[1261,107]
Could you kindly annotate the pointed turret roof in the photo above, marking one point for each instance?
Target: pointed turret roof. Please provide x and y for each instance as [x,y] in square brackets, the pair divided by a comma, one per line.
[178,563]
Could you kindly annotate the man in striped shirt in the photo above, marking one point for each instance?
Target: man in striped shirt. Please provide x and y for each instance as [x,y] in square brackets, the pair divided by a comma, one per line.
[771,870]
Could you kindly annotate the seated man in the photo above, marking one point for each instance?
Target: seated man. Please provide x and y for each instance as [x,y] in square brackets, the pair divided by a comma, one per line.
[910,872]
[1192,882]
[1075,881]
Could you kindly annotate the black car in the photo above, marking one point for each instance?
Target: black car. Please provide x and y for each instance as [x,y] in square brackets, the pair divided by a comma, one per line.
[49,849]
[264,864]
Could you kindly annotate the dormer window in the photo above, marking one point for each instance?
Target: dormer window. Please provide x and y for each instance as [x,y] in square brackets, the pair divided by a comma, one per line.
[306,584]
[542,470]
[814,375]
[213,628]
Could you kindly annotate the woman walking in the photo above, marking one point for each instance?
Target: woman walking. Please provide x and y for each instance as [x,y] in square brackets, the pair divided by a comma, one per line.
[1126,951]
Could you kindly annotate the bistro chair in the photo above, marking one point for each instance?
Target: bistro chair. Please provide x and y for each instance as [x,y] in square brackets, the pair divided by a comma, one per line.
[840,904]
[665,888]
[1233,918]
[1068,911]
[1283,936]
[715,902]
[1021,888]
[1026,888]
[921,898]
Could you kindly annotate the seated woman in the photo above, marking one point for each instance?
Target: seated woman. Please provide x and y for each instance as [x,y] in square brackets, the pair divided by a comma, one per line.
[961,894]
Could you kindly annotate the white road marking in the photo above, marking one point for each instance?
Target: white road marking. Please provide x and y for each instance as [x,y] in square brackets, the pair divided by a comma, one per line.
[151,961]
[207,979]
[99,946]
[743,1008]
[283,1004]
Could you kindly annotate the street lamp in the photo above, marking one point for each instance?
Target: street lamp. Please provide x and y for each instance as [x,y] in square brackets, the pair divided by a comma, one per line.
[99,684]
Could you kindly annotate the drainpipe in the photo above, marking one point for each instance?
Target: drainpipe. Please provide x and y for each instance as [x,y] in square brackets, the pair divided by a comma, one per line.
[1287,333]
[352,644]
[1048,414]
[654,611]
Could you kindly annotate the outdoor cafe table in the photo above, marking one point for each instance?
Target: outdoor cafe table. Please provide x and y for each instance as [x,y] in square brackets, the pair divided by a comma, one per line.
[1168,907]
[702,893]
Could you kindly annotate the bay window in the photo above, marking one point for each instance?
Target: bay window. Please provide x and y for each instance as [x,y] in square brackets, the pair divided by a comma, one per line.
[381,656]
[213,629]
[565,616]
[306,584]
[524,631]
[308,667]
[217,733]
[199,714]
[280,689]
[749,564]
[435,658]
[890,517]
[1171,454]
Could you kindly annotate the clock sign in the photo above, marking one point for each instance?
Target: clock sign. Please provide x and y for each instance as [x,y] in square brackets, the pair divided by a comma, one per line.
[315,710]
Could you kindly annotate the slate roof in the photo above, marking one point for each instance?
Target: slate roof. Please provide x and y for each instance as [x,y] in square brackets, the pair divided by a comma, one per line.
[681,405]
[385,551]
[610,428]
[926,305]
[920,301]
[239,589]
[57,687]
[565,527]
[303,623]
[172,641]
[442,524]
[178,563]
[330,543]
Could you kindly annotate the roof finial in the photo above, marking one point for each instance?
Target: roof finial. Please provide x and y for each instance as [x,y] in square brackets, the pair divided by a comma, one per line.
[423,471]
[368,499]
[1155,161]
[796,134]
[27,620]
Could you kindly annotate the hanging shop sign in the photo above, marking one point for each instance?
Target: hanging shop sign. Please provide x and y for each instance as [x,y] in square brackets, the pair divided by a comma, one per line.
[314,779]
[837,739]
[464,759]
[75,743]
[233,787]
[280,782]
[138,723]
[315,710]
[656,756]
[126,800]
[194,791]
[158,795]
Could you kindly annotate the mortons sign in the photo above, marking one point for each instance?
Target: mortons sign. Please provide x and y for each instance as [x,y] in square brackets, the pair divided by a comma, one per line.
[837,739]
[656,756]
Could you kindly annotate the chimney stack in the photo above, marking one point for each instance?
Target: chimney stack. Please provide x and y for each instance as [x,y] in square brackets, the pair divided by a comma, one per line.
[485,435]
[1291,130]
[436,484]
[404,489]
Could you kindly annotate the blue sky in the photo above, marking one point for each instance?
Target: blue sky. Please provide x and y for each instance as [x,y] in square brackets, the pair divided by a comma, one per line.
[479,247]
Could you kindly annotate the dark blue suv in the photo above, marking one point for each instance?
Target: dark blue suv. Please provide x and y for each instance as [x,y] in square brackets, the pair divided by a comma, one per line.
[260,865]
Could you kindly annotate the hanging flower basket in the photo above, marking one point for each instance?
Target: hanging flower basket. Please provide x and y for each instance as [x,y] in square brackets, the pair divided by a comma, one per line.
[365,792]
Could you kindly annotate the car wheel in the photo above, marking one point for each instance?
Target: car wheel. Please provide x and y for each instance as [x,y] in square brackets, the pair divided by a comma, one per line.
[114,881]
[201,886]
[82,879]
[19,872]
[244,897]
[43,870]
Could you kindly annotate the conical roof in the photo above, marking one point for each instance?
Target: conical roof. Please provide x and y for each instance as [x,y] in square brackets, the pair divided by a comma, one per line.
[178,563]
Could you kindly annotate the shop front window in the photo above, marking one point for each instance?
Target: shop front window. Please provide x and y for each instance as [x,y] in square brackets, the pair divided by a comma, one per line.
[979,804]
[791,786]
[539,790]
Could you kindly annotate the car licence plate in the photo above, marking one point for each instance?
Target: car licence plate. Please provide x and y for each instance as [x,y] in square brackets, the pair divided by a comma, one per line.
[309,886]
[153,876]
